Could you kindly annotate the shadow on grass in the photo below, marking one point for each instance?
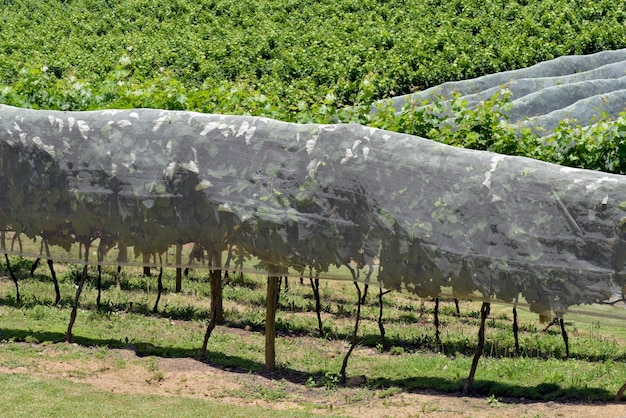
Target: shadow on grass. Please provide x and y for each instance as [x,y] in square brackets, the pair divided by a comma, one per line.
[487,388]
[494,348]
[512,392]
[181,313]
[413,343]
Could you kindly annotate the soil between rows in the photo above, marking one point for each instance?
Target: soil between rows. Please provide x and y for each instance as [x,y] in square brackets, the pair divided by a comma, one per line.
[187,377]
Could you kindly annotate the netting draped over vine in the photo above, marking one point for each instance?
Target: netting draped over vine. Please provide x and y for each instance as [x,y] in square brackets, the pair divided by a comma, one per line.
[338,201]
[584,88]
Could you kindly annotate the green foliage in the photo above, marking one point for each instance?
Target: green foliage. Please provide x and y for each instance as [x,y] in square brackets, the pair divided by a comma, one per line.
[600,146]
[308,62]
[277,58]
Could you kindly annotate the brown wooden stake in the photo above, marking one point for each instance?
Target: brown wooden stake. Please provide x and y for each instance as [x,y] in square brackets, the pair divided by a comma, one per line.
[215,279]
[484,312]
[146,265]
[270,319]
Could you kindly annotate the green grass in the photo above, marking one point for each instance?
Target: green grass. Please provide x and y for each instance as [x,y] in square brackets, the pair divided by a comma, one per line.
[410,361]
[36,397]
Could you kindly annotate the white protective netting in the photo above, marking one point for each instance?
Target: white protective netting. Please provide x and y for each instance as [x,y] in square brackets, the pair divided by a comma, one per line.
[334,201]
[584,88]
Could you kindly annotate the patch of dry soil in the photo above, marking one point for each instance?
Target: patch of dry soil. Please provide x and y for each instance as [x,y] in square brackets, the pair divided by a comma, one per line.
[122,371]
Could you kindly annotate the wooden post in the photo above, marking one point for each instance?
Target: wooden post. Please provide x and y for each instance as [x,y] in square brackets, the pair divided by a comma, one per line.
[215,279]
[270,319]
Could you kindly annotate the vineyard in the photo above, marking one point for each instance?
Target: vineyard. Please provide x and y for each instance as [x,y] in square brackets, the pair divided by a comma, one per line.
[323,172]
[277,58]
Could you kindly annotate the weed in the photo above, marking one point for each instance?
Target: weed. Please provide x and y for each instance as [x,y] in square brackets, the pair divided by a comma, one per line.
[330,381]
[396,351]
[493,401]
[38,312]
[389,392]
[428,407]
[272,394]
[156,374]
[156,377]
[79,374]
[101,352]
[30,339]
[356,396]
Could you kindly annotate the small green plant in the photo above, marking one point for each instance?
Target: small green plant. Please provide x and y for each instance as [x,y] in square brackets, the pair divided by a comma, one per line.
[157,375]
[428,407]
[310,383]
[396,351]
[493,401]
[330,381]
[38,312]
[30,339]
[389,392]
[271,393]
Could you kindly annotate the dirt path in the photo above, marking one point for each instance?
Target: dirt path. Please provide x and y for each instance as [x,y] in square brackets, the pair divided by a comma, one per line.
[122,371]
